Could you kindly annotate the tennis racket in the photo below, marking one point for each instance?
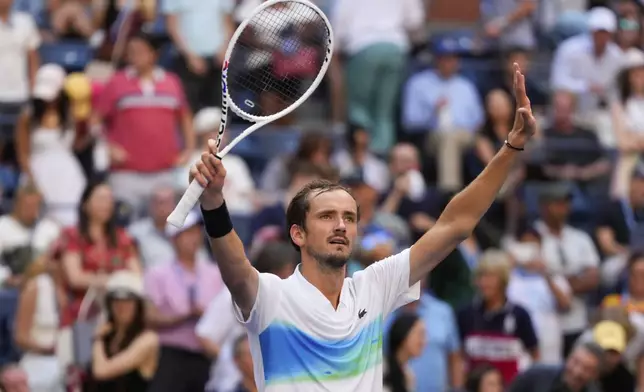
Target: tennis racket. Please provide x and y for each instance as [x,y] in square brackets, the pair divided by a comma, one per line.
[275,60]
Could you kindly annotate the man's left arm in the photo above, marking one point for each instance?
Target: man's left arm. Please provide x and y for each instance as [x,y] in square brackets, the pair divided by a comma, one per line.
[465,210]
[589,279]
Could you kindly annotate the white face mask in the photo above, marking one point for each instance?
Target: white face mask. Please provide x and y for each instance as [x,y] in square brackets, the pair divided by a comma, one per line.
[416,185]
[524,252]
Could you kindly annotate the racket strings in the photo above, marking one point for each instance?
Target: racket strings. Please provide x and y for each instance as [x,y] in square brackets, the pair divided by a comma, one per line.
[281,48]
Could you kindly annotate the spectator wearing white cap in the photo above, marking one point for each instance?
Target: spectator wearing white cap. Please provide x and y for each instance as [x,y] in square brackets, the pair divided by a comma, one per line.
[587,64]
[125,352]
[179,292]
[240,186]
[44,138]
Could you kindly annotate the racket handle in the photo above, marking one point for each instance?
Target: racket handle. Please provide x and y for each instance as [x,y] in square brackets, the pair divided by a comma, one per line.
[186,204]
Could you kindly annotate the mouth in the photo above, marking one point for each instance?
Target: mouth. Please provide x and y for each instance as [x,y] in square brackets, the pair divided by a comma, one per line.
[339,241]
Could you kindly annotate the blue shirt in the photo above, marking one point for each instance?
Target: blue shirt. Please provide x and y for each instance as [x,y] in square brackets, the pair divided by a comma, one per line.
[431,369]
[201,23]
[426,88]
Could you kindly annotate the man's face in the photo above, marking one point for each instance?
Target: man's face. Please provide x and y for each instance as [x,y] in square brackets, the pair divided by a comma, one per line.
[331,228]
[139,54]
[403,159]
[189,241]
[447,64]
[28,208]
[582,367]
[556,210]
[601,38]
[489,284]
[637,192]
[163,202]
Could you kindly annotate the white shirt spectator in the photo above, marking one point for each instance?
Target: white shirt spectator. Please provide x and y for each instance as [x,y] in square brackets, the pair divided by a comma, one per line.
[13,234]
[358,24]
[17,37]
[219,325]
[531,291]
[569,254]
[375,170]
[299,342]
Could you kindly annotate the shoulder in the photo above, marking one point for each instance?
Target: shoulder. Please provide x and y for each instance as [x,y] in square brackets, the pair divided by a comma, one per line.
[22,18]
[148,340]
[574,44]
[519,312]
[578,235]
[122,237]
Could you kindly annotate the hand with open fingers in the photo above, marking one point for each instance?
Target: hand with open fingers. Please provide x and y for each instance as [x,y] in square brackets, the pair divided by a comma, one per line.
[211,175]
[525,124]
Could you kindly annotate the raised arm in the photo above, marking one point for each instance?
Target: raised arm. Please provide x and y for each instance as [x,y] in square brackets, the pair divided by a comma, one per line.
[465,210]
[238,274]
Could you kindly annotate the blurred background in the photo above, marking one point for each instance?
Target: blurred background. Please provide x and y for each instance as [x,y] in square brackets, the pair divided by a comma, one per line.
[104,105]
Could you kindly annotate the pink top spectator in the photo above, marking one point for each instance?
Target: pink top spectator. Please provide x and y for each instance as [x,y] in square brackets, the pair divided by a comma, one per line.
[170,288]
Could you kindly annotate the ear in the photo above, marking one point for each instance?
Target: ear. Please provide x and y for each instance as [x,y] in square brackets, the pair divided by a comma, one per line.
[298,235]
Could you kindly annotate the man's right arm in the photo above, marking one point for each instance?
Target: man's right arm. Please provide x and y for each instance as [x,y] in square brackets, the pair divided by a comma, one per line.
[241,278]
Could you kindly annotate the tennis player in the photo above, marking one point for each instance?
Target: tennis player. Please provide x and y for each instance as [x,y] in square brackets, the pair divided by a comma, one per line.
[317,330]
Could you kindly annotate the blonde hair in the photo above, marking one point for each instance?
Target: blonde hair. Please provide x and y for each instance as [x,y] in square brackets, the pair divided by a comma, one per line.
[497,262]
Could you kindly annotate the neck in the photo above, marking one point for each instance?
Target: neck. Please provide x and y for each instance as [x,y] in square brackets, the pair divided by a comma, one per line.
[495,303]
[554,227]
[359,155]
[187,260]
[402,357]
[159,224]
[18,217]
[4,13]
[145,73]
[249,383]
[599,50]
[96,231]
[329,281]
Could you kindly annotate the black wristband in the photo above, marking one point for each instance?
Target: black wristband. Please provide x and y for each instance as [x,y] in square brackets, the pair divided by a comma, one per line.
[507,143]
[217,222]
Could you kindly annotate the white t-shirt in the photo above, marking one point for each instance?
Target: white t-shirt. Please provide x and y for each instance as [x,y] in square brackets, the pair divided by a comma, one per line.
[219,325]
[569,254]
[300,343]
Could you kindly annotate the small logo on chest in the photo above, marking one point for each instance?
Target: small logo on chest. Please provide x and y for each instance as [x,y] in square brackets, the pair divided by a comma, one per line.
[362,313]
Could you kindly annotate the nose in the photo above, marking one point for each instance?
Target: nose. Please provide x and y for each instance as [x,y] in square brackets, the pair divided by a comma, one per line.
[340,226]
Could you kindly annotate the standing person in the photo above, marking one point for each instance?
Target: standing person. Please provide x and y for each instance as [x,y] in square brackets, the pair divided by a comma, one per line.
[316,330]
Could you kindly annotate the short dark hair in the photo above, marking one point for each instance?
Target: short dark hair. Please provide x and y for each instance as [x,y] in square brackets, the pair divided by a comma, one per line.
[274,256]
[300,204]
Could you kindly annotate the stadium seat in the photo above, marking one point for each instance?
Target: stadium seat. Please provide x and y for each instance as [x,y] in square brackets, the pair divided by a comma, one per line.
[8,306]
[72,55]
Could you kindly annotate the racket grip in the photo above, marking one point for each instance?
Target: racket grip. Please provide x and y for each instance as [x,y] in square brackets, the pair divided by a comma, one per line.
[186,204]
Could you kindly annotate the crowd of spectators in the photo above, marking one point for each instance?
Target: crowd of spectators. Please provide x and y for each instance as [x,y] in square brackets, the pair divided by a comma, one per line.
[105,104]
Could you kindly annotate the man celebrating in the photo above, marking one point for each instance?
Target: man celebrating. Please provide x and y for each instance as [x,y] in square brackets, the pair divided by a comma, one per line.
[317,330]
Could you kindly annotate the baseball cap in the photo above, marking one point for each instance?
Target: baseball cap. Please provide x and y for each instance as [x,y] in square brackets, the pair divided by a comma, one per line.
[602,19]
[125,284]
[633,58]
[49,82]
[207,119]
[79,90]
[610,336]
[555,192]
[193,219]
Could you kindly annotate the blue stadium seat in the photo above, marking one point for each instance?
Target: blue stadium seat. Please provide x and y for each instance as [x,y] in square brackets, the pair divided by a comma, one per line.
[72,55]
[242,224]
[277,142]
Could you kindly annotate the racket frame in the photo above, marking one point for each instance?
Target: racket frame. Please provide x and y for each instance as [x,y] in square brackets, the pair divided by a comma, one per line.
[191,196]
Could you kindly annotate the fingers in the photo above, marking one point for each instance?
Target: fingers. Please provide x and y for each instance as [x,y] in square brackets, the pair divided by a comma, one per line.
[213,148]
[196,174]
[519,87]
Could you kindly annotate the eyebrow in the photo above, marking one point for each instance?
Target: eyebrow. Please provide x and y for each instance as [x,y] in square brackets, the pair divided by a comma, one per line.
[330,211]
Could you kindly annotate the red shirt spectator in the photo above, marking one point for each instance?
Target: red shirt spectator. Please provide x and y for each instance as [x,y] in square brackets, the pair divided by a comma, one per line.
[138,115]
[96,259]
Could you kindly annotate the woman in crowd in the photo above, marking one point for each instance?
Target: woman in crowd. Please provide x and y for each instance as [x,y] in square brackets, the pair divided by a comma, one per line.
[485,378]
[314,148]
[36,328]
[628,119]
[44,137]
[95,248]
[406,341]
[125,352]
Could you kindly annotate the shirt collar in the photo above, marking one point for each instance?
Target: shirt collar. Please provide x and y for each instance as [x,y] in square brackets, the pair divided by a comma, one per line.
[157,74]
[314,292]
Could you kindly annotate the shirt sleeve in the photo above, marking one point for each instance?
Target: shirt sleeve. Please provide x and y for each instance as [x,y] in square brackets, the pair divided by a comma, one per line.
[453,337]
[152,288]
[564,74]
[391,278]
[106,101]
[33,36]
[267,302]
[525,329]
[417,112]
[218,320]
